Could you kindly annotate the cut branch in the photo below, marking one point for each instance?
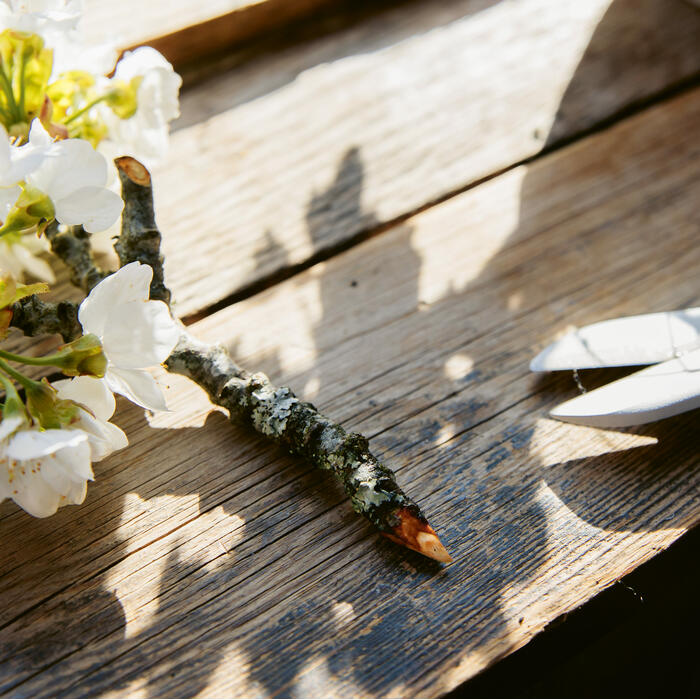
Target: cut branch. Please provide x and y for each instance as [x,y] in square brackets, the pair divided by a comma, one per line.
[276,413]
[36,317]
[73,247]
[140,237]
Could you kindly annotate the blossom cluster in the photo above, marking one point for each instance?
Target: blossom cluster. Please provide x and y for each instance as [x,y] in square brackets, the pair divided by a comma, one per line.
[49,439]
[66,110]
[63,120]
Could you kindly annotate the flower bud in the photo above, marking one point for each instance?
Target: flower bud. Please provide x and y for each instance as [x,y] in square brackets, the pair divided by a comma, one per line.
[122,97]
[46,408]
[32,208]
[83,356]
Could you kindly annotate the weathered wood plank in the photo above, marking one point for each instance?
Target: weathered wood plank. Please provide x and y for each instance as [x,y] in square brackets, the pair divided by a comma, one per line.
[205,563]
[390,115]
[185,31]
[387,116]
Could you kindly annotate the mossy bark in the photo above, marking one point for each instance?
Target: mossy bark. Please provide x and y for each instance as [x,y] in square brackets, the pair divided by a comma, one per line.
[73,247]
[36,317]
[276,413]
[140,238]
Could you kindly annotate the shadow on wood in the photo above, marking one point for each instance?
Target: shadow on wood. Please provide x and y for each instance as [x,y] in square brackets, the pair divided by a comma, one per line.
[239,568]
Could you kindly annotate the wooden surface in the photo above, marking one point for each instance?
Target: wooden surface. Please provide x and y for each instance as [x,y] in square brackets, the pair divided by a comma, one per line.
[204,562]
[185,31]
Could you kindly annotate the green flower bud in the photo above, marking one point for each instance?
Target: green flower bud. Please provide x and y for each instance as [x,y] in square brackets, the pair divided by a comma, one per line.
[13,405]
[122,97]
[82,356]
[26,71]
[32,208]
[10,291]
[46,408]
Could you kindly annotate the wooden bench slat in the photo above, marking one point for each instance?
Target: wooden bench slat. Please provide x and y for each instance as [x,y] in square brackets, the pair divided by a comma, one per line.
[203,562]
[185,31]
[388,116]
[301,151]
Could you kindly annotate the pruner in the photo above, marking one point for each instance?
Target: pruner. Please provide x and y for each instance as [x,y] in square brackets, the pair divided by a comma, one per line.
[668,341]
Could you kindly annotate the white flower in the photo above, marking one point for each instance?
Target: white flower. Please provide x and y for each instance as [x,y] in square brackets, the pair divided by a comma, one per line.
[43,469]
[145,135]
[43,17]
[98,402]
[16,162]
[20,254]
[135,333]
[73,175]
[57,23]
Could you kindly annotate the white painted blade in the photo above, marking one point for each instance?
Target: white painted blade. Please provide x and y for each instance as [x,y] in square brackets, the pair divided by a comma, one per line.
[651,394]
[634,340]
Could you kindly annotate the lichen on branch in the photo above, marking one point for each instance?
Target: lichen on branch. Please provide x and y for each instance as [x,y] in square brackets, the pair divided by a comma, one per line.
[73,247]
[275,412]
[140,238]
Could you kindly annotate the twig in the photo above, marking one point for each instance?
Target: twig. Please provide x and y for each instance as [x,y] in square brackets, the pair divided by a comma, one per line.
[279,415]
[140,237]
[73,247]
[36,317]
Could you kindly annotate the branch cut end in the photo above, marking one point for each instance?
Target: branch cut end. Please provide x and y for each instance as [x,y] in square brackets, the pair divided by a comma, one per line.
[416,534]
[135,171]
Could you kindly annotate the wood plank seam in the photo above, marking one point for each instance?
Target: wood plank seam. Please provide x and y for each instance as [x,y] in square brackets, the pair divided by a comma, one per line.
[686,180]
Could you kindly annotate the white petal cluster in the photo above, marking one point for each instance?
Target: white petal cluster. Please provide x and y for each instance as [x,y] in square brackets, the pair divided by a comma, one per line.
[43,17]
[69,172]
[57,22]
[43,469]
[15,164]
[23,254]
[74,177]
[135,333]
[145,135]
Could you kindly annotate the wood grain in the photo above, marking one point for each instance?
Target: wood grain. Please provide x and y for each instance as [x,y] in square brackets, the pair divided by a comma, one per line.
[185,31]
[205,563]
[300,151]
[297,152]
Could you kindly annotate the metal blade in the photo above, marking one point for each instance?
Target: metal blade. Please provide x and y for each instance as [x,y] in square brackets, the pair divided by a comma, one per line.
[653,393]
[634,340]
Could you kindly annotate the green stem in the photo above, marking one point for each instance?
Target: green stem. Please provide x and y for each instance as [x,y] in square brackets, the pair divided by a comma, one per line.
[5,115]
[26,382]
[7,88]
[39,361]
[8,386]
[23,66]
[87,108]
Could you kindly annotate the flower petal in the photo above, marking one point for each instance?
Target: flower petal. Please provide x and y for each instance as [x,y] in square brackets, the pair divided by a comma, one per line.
[9,425]
[74,462]
[104,438]
[67,166]
[130,283]
[91,392]
[96,208]
[30,491]
[139,334]
[31,444]
[31,263]
[138,386]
